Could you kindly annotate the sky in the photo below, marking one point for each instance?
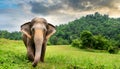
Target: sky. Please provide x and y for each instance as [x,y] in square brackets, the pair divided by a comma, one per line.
[14,13]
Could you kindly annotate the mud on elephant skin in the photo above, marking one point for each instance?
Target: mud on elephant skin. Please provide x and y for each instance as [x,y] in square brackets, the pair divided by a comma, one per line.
[35,36]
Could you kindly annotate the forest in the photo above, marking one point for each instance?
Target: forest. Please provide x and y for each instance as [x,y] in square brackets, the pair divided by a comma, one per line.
[96,23]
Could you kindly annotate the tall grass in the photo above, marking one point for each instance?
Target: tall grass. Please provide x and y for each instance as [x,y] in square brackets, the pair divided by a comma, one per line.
[13,56]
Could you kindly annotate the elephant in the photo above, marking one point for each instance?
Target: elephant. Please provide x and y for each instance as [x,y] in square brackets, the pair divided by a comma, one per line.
[35,36]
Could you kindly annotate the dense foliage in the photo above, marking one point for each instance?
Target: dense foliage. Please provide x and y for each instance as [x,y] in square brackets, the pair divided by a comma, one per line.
[99,42]
[10,35]
[96,23]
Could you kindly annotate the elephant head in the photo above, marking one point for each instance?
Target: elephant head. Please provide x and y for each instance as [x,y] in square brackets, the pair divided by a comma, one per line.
[35,36]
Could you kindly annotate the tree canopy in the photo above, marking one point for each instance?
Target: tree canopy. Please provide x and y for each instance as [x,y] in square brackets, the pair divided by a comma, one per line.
[96,23]
[10,35]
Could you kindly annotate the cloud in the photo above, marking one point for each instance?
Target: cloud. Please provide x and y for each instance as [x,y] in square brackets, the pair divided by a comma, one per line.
[44,7]
[14,13]
[75,7]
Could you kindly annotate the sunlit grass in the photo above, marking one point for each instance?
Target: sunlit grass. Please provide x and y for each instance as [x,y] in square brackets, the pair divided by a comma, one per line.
[13,56]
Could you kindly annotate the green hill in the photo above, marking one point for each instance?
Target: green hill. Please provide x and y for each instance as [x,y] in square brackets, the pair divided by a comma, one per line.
[96,23]
[13,56]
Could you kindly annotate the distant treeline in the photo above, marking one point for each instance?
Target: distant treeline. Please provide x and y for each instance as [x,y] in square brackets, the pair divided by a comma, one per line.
[10,35]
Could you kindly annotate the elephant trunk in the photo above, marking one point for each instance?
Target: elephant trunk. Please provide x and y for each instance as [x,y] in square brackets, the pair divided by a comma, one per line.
[38,40]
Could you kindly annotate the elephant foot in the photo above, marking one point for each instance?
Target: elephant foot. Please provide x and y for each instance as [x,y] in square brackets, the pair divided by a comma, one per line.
[30,56]
[34,64]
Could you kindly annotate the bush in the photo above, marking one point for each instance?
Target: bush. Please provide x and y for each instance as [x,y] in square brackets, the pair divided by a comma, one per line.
[113,50]
[114,47]
[76,43]
[61,41]
[58,41]
[118,44]
[101,43]
[87,39]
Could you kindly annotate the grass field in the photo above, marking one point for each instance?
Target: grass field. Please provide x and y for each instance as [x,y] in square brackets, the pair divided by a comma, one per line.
[13,56]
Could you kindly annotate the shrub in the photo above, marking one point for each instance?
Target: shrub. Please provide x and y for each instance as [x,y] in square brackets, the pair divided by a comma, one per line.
[101,43]
[58,41]
[114,47]
[113,50]
[87,39]
[118,44]
[62,42]
[76,43]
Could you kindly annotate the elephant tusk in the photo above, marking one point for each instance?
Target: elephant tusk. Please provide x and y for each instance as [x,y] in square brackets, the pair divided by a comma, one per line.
[26,34]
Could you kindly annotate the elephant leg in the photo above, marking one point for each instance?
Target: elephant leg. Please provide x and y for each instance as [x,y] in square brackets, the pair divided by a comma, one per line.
[43,51]
[30,54]
[28,45]
[30,50]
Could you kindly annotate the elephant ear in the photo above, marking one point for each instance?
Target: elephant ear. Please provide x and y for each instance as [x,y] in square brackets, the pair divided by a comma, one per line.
[25,29]
[50,30]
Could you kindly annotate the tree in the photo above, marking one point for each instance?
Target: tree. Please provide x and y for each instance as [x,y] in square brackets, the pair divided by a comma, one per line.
[87,39]
[76,43]
[101,43]
[4,34]
[13,35]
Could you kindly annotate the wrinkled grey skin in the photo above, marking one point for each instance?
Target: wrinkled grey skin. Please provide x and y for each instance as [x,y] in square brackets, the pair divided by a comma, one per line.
[35,36]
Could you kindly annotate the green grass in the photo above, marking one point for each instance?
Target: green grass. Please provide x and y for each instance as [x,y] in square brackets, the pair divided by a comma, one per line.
[13,56]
